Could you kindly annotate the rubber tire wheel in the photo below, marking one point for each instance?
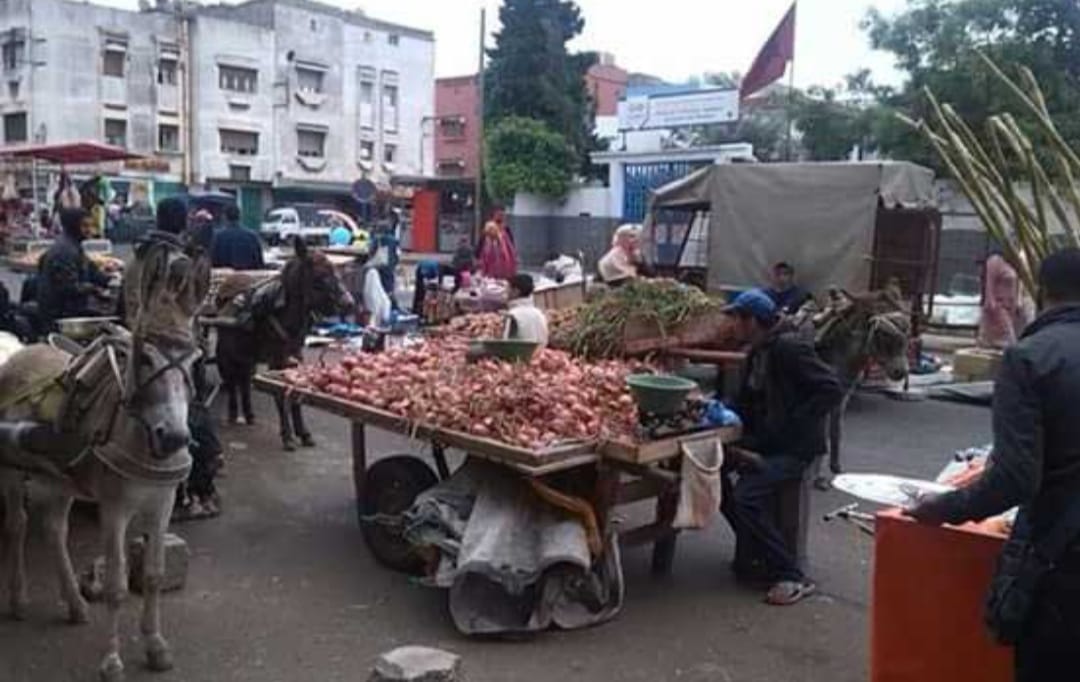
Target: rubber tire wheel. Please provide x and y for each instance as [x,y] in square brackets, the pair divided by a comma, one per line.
[391,485]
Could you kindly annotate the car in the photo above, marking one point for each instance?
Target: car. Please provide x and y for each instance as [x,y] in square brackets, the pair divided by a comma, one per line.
[284,223]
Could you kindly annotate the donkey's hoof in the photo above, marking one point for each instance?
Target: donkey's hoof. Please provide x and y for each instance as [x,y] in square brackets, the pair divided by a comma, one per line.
[111,670]
[307,441]
[159,660]
[78,613]
[288,444]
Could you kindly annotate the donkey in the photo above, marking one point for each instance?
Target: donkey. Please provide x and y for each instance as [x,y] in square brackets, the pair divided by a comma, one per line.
[273,319]
[107,424]
[850,333]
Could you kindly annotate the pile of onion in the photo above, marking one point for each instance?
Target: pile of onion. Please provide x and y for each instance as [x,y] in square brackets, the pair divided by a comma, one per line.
[552,399]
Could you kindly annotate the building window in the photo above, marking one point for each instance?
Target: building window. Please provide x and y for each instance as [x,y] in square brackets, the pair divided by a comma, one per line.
[13,54]
[116,132]
[452,126]
[367,36]
[367,150]
[239,142]
[240,173]
[115,61]
[311,143]
[309,80]
[393,38]
[390,107]
[168,138]
[166,74]
[15,127]
[367,97]
[389,153]
[237,79]
[451,167]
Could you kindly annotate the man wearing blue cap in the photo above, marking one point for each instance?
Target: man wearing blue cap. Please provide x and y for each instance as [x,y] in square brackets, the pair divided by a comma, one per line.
[786,393]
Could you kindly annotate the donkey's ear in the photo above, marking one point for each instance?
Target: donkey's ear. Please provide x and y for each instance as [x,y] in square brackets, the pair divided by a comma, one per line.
[300,247]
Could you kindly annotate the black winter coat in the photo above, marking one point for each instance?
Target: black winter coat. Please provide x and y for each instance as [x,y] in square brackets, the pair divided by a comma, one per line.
[1036,457]
[786,393]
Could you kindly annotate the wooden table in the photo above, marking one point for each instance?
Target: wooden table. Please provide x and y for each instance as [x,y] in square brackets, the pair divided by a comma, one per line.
[622,473]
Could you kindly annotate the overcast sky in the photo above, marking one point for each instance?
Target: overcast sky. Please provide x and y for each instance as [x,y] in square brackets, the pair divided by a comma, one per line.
[673,39]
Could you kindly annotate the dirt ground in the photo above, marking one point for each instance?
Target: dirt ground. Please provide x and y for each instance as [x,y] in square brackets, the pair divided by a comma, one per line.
[281,587]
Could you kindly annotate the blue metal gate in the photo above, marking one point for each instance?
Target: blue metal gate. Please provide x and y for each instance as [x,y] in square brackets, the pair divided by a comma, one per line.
[639,180]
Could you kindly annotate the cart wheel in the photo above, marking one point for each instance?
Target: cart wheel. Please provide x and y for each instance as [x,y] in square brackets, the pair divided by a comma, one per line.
[390,487]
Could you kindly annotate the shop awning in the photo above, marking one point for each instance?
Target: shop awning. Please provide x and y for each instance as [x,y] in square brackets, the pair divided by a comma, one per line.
[70,153]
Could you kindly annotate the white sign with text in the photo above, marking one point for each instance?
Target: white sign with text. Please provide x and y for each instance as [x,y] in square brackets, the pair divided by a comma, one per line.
[699,107]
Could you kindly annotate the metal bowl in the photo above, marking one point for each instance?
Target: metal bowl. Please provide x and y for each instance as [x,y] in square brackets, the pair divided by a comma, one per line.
[510,350]
[84,328]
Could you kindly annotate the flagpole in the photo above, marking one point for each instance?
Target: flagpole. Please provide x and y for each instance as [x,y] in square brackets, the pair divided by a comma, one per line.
[791,88]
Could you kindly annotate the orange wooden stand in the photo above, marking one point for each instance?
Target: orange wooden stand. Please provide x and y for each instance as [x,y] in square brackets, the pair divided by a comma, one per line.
[928,591]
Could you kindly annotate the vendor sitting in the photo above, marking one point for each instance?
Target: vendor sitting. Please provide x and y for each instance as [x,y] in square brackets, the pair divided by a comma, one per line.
[524,321]
[621,263]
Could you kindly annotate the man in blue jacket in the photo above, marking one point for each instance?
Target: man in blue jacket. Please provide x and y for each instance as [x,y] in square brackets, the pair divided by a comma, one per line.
[235,247]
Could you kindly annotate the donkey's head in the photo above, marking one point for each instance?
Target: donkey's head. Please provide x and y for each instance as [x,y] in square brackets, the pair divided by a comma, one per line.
[156,389]
[311,283]
[888,331]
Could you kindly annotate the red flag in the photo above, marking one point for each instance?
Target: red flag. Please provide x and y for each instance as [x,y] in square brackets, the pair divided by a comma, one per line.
[771,61]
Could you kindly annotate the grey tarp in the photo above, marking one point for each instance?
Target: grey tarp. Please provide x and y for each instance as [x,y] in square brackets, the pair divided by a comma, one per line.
[511,562]
[819,217]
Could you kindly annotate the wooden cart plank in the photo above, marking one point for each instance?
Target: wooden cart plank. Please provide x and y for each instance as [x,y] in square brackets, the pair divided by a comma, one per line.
[658,450]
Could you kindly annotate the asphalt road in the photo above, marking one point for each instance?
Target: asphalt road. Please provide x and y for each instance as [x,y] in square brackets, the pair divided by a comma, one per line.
[281,587]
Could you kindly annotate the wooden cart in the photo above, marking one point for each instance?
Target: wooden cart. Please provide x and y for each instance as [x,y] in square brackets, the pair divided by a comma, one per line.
[619,473]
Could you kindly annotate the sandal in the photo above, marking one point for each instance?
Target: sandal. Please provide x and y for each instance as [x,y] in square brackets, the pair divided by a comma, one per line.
[788,592]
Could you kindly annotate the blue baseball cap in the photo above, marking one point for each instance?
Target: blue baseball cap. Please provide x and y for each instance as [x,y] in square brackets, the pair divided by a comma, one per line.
[755,303]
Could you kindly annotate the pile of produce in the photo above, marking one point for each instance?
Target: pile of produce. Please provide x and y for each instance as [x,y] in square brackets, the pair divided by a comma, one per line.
[477,326]
[600,326]
[553,399]
[490,326]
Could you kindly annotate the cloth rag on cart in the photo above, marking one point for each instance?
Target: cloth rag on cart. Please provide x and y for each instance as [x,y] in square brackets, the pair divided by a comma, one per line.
[511,562]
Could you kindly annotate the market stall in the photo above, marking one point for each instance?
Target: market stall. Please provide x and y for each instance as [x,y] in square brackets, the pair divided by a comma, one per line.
[618,456]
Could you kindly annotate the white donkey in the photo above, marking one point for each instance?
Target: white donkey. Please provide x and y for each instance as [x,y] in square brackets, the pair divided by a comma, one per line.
[108,424]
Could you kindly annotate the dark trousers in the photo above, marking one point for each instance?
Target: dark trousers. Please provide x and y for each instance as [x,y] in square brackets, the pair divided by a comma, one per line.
[1047,653]
[749,507]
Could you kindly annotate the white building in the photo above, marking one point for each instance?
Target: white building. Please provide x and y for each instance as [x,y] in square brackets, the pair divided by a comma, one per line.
[75,71]
[276,100]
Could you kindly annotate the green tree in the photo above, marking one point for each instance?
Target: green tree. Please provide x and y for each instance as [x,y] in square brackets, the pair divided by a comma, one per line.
[531,73]
[934,42]
[525,155]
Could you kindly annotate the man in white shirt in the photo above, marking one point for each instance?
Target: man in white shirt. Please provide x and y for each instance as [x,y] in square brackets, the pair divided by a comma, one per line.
[524,321]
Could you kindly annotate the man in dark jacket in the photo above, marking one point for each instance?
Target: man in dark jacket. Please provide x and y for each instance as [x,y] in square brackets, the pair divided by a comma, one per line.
[235,247]
[785,293]
[786,394]
[67,278]
[1036,465]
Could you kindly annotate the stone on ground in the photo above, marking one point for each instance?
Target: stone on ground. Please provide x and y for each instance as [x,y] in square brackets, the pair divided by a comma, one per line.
[417,664]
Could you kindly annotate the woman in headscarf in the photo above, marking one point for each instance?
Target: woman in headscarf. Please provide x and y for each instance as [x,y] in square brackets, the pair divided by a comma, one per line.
[1003,315]
[621,262]
[498,255]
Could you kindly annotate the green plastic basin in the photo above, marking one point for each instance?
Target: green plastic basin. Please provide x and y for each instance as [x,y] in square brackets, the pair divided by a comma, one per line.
[660,393]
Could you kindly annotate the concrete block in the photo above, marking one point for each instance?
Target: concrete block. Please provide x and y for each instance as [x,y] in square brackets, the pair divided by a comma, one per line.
[176,562]
[417,664]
